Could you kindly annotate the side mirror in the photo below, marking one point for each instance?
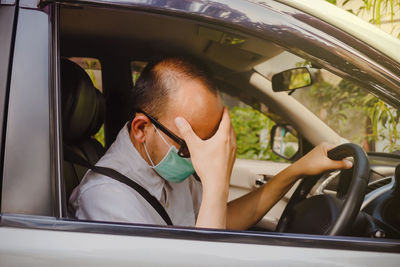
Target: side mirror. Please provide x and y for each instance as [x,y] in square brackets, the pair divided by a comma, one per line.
[292,79]
[284,141]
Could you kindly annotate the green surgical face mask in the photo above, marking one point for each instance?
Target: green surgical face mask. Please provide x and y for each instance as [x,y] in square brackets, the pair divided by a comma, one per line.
[172,167]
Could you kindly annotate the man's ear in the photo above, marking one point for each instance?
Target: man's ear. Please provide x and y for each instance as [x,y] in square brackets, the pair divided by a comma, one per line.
[139,128]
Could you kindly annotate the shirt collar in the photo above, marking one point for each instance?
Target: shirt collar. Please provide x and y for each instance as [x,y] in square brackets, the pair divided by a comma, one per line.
[138,169]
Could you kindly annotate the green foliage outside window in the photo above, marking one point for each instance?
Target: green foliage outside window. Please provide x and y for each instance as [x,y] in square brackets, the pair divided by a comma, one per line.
[354,114]
[252,130]
[99,136]
[90,66]
[381,11]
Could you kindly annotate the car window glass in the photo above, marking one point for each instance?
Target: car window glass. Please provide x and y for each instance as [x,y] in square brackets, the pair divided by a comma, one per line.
[252,128]
[353,112]
[347,108]
[92,67]
[136,69]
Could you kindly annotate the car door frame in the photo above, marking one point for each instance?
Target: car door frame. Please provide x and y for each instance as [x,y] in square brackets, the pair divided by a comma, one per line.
[326,242]
[8,16]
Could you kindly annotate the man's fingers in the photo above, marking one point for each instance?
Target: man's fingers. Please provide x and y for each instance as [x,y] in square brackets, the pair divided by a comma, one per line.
[338,164]
[342,164]
[327,146]
[348,164]
[225,124]
[186,130]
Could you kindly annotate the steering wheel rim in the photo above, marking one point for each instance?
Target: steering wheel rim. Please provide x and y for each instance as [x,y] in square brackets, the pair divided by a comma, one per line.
[352,199]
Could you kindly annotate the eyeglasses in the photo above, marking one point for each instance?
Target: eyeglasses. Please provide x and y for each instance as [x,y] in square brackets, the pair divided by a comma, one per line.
[183,149]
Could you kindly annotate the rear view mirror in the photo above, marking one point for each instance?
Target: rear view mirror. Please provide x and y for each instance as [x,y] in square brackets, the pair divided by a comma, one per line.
[291,79]
[284,141]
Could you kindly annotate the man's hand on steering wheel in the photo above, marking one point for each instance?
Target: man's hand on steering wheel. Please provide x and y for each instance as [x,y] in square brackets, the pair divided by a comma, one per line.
[327,214]
[316,161]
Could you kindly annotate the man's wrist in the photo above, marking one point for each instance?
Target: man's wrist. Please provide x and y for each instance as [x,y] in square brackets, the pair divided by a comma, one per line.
[293,172]
[216,193]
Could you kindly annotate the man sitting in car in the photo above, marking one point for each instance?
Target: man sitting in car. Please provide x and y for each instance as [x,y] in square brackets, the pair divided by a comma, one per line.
[180,131]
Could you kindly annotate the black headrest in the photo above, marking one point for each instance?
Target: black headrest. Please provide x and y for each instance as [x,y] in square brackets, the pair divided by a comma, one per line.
[82,103]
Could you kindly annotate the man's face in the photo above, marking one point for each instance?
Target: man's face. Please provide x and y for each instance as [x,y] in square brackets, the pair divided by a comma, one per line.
[192,101]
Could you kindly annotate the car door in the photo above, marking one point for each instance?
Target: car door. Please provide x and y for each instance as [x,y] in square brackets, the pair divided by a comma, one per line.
[7,15]
[255,164]
[33,230]
[248,175]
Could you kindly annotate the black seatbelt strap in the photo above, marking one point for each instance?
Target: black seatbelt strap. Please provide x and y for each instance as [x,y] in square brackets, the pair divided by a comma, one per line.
[74,158]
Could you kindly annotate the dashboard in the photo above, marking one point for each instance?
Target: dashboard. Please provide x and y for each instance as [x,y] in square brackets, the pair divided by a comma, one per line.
[379,216]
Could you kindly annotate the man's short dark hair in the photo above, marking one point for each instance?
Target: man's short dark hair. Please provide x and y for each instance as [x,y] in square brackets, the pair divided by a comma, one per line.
[161,77]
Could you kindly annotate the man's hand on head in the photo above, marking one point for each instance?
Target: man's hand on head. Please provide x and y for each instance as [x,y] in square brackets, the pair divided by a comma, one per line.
[213,158]
[213,161]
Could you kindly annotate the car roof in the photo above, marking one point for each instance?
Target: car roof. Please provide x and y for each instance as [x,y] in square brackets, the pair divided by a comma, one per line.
[353,25]
[349,23]
[352,57]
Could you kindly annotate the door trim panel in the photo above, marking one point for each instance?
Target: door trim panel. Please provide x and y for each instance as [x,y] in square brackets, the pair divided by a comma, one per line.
[201,234]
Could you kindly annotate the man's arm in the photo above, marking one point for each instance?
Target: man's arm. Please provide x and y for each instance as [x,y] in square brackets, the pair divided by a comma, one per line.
[247,210]
[213,161]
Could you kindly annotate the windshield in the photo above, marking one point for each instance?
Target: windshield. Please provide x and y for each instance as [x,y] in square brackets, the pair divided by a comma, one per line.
[347,108]
[353,112]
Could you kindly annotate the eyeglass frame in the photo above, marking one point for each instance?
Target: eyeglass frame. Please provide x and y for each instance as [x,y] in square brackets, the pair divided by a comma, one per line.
[180,141]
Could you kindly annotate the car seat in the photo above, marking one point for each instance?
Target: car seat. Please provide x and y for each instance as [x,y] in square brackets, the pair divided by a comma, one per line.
[82,117]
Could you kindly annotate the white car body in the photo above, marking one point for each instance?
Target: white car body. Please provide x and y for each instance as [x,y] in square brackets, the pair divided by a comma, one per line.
[33,229]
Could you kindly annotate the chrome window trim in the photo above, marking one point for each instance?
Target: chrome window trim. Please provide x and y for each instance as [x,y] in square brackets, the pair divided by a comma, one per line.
[56,154]
[201,234]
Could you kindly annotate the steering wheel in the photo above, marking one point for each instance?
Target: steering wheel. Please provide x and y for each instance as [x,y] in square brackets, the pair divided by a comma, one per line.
[327,214]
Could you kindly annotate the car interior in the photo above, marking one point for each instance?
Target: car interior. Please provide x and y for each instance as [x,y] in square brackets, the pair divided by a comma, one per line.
[113,37]
[240,63]
[82,117]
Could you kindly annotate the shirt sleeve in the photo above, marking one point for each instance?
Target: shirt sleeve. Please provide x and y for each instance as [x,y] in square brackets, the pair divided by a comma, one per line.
[196,190]
[114,203]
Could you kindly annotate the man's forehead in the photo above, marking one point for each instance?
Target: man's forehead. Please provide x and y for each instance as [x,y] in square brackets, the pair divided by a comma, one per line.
[201,107]
[208,127]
